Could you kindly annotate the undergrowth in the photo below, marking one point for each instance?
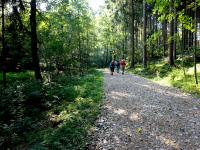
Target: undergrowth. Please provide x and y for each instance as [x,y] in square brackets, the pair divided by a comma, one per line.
[181,75]
[56,115]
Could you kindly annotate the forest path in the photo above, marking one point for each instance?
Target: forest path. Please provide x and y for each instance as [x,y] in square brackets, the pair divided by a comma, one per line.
[140,114]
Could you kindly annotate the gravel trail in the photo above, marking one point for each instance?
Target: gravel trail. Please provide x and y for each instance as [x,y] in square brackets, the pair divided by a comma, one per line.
[141,115]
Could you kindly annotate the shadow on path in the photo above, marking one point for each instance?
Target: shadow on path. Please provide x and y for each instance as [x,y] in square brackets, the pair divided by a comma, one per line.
[140,114]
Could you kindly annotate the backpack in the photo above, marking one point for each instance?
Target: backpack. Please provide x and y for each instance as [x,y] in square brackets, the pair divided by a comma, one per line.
[112,65]
[123,63]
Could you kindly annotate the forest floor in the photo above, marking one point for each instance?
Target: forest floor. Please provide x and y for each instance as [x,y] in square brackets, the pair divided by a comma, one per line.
[140,114]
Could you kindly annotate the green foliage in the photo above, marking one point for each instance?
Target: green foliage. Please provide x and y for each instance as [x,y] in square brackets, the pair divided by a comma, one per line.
[67,35]
[21,76]
[56,115]
[162,73]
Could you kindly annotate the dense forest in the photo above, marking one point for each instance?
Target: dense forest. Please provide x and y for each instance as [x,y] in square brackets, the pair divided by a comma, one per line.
[51,89]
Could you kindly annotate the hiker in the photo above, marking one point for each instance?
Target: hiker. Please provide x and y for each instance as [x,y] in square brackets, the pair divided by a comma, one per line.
[112,67]
[123,65]
[117,66]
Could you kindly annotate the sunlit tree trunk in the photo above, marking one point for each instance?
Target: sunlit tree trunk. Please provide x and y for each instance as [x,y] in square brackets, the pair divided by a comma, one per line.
[34,49]
[144,35]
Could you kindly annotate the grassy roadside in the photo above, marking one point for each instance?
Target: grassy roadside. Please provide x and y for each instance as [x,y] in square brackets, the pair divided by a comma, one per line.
[58,115]
[163,74]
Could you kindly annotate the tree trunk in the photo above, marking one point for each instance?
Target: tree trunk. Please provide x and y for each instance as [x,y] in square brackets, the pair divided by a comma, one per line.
[175,43]
[137,35]
[171,59]
[3,44]
[144,35]
[152,32]
[107,52]
[80,52]
[164,33]
[87,49]
[190,34]
[34,49]
[132,34]
[195,45]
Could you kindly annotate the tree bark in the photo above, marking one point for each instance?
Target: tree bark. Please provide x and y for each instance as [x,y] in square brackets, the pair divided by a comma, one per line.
[152,32]
[132,34]
[144,35]
[164,33]
[175,32]
[171,59]
[34,49]
[3,44]
[195,45]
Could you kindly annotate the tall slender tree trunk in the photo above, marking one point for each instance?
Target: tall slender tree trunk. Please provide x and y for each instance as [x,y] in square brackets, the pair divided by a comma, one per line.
[132,34]
[3,44]
[107,52]
[144,35]
[164,33]
[151,33]
[80,52]
[190,34]
[87,49]
[182,52]
[175,32]
[195,44]
[34,49]
[137,35]
[171,59]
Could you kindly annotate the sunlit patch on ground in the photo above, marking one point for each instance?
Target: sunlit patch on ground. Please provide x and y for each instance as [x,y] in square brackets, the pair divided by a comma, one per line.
[140,114]
[134,116]
[170,142]
[120,111]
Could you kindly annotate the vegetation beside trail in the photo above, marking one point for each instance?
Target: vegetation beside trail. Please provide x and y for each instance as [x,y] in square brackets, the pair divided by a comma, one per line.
[56,115]
[53,98]
[180,76]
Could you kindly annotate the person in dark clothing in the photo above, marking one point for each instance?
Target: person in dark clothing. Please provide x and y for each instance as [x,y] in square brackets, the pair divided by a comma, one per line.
[118,66]
[112,67]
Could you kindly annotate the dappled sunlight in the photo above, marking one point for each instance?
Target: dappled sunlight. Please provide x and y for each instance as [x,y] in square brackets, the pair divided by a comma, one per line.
[120,94]
[116,95]
[120,111]
[168,141]
[150,106]
[127,131]
[116,138]
[107,71]
[108,107]
[134,116]
[147,115]
[191,70]
[164,91]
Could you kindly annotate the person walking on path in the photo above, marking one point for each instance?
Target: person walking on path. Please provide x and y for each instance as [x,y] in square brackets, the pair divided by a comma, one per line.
[112,67]
[123,65]
[118,66]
